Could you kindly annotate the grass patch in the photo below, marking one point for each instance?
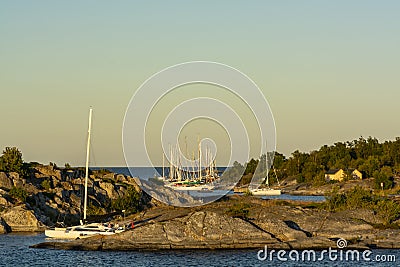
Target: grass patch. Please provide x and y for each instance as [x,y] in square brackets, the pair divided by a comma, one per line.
[239,210]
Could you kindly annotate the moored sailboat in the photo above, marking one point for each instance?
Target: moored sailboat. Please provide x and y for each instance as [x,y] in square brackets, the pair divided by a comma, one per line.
[84,230]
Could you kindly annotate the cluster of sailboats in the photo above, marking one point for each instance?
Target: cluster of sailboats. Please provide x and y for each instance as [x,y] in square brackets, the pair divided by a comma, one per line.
[201,178]
[195,177]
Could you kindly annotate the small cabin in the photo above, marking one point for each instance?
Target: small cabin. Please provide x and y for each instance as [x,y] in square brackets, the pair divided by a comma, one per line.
[340,174]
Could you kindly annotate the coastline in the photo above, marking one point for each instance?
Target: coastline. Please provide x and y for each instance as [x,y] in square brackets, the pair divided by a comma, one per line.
[215,227]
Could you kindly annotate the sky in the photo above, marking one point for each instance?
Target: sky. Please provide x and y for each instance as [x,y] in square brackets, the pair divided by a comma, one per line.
[329,69]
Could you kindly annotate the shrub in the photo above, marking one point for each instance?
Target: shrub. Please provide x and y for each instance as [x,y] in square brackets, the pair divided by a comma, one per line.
[94,210]
[129,202]
[353,199]
[248,193]
[358,198]
[52,164]
[18,193]
[300,179]
[46,184]
[385,177]
[388,210]
[11,160]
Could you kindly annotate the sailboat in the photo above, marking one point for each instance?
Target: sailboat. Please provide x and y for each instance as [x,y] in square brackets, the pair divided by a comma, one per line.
[266,191]
[84,230]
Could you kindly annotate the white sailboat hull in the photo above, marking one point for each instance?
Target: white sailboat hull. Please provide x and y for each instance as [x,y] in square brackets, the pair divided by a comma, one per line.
[190,188]
[81,231]
[266,192]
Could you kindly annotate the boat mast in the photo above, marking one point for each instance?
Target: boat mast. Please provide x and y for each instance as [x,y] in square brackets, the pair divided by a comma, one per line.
[163,173]
[266,167]
[171,170]
[198,139]
[87,166]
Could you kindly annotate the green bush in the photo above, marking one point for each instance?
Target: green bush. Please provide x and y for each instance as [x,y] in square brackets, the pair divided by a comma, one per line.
[353,199]
[388,210]
[248,193]
[18,193]
[11,160]
[385,177]
[94,210]
[358,198]
[300,179]
[46,184]
[129,202]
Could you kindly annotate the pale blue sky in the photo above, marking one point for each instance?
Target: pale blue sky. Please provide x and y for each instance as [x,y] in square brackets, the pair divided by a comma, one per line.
[329,69]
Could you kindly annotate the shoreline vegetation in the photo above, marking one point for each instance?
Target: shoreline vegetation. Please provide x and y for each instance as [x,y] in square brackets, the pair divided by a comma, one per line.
[365,213]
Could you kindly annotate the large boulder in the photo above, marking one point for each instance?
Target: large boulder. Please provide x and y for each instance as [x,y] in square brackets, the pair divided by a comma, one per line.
[110,189]
[49,171]
[20,219]
[5,182]
[3,201]
[17,180]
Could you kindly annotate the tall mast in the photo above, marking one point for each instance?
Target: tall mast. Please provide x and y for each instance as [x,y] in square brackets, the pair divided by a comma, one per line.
[266,167]
[199,158]
[163,172]
[193,170]
[87,166]
[171,170]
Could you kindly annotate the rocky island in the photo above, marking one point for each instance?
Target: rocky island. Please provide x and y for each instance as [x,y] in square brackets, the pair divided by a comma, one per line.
[37,196]
[243,222]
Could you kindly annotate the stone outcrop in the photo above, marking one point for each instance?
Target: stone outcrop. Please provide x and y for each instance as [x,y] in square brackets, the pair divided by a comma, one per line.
[212,227]
[48,171]
[167,195]
[5,181]
[17,180]
[21,219]
[56,194]
[3,201]
[110,189]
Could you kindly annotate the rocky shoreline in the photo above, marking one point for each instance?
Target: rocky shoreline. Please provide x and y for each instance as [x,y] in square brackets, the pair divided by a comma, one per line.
[48,195]
[268,223]
[234,222]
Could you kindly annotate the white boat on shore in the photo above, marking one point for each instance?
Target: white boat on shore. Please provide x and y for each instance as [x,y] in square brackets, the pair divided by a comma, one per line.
[80,231]
[84,230]
[265,192]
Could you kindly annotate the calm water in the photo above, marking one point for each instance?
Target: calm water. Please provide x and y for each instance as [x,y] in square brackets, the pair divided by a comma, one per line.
[15,251]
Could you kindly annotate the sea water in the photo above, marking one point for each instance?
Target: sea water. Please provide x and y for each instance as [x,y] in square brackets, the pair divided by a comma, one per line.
[15,251]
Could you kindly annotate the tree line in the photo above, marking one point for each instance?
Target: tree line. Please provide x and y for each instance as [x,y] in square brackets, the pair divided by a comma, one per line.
[374,159]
